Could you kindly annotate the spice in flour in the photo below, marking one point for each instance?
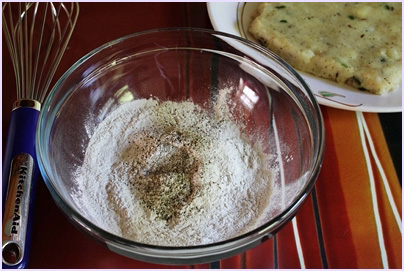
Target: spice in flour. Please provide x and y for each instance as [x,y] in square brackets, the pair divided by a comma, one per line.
[167,185]
[169,173]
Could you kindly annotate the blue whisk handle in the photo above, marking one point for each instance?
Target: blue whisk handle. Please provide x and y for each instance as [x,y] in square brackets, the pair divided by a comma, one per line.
[20,177]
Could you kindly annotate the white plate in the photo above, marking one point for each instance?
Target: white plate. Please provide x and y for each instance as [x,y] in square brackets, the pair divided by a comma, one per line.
[234,18]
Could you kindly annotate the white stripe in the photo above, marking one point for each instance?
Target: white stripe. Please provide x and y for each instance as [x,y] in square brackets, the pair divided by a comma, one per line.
[382,173]
[373,192]
[283,189]
[298,244]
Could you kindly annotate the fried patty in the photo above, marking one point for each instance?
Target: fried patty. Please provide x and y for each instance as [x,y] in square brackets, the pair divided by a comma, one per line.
[358,44]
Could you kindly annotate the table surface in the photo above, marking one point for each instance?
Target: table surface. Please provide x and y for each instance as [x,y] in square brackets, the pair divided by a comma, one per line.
[337,227]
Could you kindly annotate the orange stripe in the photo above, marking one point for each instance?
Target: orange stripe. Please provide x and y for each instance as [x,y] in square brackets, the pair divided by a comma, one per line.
[354,180]
[333,210]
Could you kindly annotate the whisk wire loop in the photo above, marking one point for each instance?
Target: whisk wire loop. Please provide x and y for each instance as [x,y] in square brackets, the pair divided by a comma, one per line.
[61,46]
[33,69]
[10,40]
[37,88]
[37,35]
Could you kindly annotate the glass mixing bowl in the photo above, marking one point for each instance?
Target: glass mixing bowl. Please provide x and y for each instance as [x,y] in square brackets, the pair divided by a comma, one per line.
[183,64]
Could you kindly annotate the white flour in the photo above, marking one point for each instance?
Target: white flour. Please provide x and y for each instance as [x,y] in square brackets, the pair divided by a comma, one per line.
[167,173]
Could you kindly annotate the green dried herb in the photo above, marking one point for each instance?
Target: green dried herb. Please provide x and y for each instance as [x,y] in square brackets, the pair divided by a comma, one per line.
[351,17]
[342,63]
[283,21]
[280,7]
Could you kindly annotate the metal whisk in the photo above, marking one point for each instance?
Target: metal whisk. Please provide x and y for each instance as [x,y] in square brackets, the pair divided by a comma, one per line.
[37,35]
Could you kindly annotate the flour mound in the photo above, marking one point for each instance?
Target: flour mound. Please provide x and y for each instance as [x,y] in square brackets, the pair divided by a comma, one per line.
[168,173]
